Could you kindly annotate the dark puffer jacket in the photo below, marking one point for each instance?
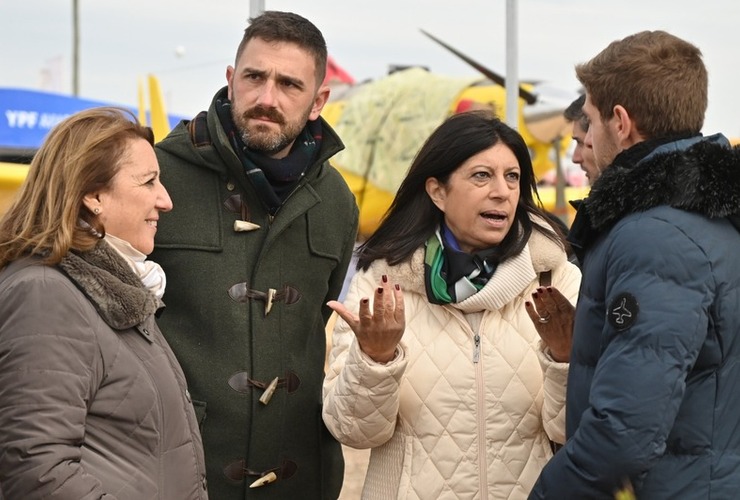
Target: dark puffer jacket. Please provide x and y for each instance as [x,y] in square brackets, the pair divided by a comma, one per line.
[653,385]
[93,403]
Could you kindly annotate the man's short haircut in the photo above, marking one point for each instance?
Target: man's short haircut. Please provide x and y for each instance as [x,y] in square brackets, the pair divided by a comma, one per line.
[657,77]
[276,26]
[574,112]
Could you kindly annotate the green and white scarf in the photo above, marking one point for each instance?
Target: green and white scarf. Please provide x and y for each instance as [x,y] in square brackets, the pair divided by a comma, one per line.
[451,275]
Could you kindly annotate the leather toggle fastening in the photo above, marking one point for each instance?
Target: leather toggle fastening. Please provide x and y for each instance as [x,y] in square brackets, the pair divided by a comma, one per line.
[269,299]
[243,225]
[235,203]
[266,479]
[242,293]
[238,471]
[269,391]
[241,382]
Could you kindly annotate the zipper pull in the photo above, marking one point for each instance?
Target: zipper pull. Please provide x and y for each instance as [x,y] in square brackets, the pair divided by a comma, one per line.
[476,349]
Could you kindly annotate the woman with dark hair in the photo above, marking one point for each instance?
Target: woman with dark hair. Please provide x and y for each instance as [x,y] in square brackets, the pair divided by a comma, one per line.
[456,382]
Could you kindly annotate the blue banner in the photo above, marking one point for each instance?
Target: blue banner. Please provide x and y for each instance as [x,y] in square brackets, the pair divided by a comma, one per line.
[26,116]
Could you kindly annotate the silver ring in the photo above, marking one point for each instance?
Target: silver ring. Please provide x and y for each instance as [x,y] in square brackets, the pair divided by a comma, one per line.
[545,319]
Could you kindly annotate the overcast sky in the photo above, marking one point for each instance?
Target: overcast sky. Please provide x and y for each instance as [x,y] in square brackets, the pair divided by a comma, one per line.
[189,43]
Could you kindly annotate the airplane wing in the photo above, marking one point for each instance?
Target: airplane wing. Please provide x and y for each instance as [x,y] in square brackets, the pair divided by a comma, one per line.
[11,177]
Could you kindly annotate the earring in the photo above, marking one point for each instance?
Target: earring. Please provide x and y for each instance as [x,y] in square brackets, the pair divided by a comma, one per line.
[96,210]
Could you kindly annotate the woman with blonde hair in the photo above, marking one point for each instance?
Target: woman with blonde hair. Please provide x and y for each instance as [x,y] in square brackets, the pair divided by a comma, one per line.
[93,403]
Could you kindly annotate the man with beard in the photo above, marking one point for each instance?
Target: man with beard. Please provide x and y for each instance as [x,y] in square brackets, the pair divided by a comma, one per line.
[258,242]
[652,398]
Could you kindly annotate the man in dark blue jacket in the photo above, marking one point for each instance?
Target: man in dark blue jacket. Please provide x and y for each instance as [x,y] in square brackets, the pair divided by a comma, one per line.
[653,399]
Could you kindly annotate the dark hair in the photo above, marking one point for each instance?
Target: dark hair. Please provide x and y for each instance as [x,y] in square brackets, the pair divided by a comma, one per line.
[574,112]
[658,78]
[276,26]
[412,217]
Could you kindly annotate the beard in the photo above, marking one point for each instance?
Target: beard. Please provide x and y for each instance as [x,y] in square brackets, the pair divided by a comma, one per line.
[263,138]
[605,151]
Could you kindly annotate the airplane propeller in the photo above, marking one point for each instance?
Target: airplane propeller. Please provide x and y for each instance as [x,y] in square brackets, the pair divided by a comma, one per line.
[528,97]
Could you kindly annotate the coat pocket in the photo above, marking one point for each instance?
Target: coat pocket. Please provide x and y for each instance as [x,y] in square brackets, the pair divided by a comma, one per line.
[197,220]
[325,239]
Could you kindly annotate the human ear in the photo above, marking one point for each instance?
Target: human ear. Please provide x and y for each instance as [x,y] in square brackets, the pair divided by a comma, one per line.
[229,80]
[92,202]
[625,127]
[435,191]
[322,97]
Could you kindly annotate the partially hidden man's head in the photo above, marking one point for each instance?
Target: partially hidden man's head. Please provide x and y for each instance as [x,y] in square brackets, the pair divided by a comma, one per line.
[583,154]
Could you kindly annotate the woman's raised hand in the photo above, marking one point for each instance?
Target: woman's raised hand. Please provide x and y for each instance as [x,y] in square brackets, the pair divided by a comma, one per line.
[378,330]
[552,315]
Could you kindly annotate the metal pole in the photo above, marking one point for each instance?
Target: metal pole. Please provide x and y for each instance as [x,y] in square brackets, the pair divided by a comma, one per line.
[256,7]
[561,207]
[512,71]
[75,48]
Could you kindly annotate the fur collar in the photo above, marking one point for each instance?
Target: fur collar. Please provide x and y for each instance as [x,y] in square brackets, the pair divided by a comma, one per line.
[109,283]
[704,178]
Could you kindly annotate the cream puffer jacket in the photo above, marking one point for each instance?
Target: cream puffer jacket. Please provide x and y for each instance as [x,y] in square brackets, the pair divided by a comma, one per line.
[439,424]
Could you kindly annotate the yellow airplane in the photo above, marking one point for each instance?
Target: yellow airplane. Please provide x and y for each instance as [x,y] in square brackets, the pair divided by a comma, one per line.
[358,111]
[405,107]
[11,177]
[383,123]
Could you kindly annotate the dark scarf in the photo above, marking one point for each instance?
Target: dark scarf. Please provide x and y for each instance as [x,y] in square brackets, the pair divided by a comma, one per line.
[273,179]
[451,275]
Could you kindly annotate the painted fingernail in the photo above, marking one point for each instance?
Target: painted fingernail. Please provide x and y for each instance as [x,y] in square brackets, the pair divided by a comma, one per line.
[535,295]
[549,289]
[380,290]
[384,278]
[365,301]
[398,287]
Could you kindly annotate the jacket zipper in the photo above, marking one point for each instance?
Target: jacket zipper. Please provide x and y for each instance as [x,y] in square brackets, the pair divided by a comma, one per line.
[481,419]
[481,407]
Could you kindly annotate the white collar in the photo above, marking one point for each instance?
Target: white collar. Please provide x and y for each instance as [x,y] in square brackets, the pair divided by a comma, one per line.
[151,274]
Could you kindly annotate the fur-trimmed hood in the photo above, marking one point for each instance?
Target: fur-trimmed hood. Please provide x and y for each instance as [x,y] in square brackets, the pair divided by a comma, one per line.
[116,292]
[703,178]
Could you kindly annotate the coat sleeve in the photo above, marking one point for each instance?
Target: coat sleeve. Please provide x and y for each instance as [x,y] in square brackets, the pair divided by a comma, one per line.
[48,373]
[639,380]
[361,397]
[567,280]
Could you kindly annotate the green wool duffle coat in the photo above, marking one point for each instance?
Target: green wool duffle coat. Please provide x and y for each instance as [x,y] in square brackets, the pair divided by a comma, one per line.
[247,305]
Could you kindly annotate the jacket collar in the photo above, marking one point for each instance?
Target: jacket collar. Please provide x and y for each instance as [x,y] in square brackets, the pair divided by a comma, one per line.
[512,276]
[116,292]
[697,174]
[331,144]
[212,149]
